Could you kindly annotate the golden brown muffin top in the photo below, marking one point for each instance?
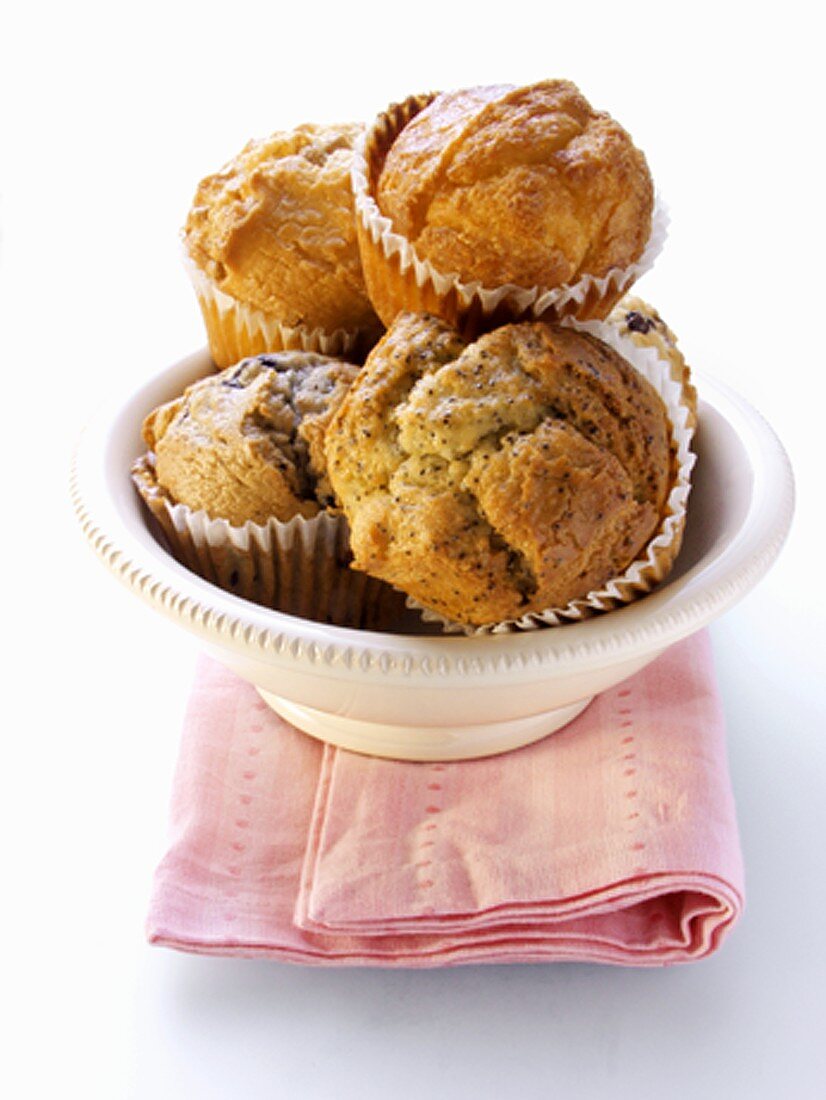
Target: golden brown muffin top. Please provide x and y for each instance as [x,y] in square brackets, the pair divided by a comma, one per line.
[518,185]
[248,443]
[274,229]
[511,475]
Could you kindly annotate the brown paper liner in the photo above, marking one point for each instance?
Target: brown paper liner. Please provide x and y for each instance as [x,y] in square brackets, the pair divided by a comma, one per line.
[300,567]
[398,279]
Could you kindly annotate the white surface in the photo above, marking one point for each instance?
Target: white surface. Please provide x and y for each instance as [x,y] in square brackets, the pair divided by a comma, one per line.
[107,125]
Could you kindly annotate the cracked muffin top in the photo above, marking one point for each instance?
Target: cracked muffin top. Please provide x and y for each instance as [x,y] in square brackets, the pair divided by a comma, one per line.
[275,229]
[248,443]
[492,479]
[527,185]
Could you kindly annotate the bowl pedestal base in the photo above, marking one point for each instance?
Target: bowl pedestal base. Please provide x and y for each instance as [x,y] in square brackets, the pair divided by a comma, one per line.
[413,742]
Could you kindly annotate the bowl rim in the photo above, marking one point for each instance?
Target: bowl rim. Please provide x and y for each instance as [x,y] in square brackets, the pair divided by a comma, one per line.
[113,525]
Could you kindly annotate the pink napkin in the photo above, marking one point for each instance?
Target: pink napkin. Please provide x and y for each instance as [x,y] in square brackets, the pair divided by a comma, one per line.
[613,840]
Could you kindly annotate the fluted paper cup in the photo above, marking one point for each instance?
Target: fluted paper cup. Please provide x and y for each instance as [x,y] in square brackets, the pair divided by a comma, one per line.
[398,279]
[236,329]
[301,566]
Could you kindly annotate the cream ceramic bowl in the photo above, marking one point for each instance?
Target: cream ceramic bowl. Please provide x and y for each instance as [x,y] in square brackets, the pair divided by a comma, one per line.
[422,697]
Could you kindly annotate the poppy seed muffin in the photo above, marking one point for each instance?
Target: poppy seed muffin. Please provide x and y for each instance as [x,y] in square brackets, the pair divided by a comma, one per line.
[248,444]
[493,479]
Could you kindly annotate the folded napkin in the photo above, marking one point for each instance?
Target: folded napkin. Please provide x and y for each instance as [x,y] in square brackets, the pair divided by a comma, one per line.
[613,840]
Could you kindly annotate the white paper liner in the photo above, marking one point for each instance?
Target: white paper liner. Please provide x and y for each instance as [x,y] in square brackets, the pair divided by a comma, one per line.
[534,303]
[299,566]
[658,556]
[237,330]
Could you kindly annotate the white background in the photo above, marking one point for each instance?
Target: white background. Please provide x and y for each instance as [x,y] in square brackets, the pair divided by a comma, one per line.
[110,115]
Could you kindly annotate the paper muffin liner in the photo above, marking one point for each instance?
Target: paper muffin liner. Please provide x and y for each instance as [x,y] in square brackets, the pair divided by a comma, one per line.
[397,278]
[300,566]
[236,330]
[659,554]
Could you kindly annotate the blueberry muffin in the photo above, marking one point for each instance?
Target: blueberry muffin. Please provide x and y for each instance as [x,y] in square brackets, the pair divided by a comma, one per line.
[642,324]
[236,482]
[247,444]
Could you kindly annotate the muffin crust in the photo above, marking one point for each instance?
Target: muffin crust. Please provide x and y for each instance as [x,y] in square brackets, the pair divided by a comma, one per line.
[528,185]
[248,444]
[274,229]
[506,476]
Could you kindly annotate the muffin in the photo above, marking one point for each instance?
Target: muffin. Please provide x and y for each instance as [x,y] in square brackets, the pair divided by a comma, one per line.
[271,247]
[502,478]
[236,478]
[499,202]
[639,322]
[247,445]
